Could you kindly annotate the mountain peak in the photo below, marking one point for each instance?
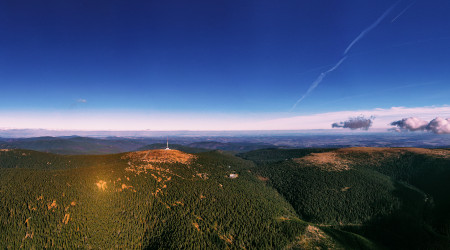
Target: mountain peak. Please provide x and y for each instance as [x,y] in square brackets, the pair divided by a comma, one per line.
[161,156]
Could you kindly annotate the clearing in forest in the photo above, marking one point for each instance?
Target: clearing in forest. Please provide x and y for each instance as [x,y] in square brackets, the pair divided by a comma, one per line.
[161,156]
[329,161]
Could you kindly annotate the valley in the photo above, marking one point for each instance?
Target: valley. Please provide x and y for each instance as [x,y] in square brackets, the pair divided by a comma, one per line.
[357,198]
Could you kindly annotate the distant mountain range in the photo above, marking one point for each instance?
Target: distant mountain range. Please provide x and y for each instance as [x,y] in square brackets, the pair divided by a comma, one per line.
[86,145]
[194,144]
[74,144]
[25,133]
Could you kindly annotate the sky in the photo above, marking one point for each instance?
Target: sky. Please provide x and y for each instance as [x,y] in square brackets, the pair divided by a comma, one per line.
[221,65]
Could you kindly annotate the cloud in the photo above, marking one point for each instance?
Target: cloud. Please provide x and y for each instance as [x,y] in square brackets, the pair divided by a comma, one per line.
[403,11]
[438,125]
[323,120]
[353,123]
[75,103]
[368,29]
[100,119]
[410,124]
[318,80]
[359,37]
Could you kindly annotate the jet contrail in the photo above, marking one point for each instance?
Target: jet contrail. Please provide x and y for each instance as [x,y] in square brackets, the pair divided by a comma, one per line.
[373,25]
[324,74]
[403,11]
[318,80]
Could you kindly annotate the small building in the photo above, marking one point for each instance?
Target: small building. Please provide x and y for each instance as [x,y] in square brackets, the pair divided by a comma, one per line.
[233,176]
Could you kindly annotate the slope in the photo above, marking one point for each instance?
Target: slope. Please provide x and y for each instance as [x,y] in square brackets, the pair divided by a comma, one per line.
[75,145]
[146,199]
[395,196]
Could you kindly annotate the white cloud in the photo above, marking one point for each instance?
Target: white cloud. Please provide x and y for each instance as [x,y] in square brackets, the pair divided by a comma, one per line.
[439,125]
[383,118]
[126,120]
[410,124]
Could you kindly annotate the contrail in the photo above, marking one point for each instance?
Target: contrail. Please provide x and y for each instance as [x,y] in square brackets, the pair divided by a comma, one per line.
[324,74]
[373,25]
[318,80]
[403,11]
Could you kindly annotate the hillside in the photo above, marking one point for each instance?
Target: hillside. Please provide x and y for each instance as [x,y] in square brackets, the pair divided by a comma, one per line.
[204,146]
[147,199]
[75,145]
[231,146]
[394,196]
[349,198]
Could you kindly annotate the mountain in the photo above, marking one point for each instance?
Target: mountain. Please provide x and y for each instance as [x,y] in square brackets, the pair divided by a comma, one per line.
[204,146]
[75,145]
[183,148]
[348,198]
[234,142]
[231,146]
[146,199]
[397,197]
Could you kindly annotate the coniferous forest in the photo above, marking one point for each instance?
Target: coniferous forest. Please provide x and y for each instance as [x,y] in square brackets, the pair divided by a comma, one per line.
[354,198]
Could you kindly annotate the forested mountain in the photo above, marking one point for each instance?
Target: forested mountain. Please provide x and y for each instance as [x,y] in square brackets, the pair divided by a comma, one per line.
[352,198]
[204,146]
[146,199]
[397,197]
[75,145]
[231,146]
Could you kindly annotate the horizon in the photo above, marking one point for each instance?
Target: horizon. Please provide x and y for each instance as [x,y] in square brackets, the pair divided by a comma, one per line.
[225,66]
[135,134]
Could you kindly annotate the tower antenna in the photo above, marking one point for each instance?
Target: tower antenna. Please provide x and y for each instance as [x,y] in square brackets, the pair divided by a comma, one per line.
[167,147]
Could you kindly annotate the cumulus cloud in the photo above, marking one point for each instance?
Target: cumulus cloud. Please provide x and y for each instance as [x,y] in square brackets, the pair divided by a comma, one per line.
[353,123]
[410,124]
[438,125]
[82,100]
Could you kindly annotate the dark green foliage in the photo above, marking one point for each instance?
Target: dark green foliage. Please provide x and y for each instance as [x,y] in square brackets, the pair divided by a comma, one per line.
[197,205]
[349,240]
[276,155]
[397,197]
[230,146]
[75,145]
[37,160]
[333,197]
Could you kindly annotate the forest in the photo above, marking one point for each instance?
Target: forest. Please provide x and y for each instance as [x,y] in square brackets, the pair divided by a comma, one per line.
[396,197]
[109,201]
[270,199]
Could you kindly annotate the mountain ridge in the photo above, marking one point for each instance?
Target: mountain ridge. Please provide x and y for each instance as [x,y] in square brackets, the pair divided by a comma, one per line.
[172,199]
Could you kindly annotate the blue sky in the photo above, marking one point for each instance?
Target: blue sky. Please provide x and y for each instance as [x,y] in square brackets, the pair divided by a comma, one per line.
[227,61]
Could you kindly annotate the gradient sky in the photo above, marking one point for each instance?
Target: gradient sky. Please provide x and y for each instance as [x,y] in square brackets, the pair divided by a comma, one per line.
[218,64]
